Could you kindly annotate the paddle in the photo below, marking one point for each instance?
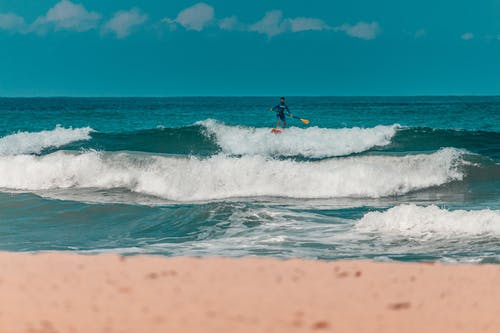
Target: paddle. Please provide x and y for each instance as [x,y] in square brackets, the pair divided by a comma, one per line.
[304,121]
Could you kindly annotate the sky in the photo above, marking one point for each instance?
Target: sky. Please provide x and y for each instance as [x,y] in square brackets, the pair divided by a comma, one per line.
[249,48]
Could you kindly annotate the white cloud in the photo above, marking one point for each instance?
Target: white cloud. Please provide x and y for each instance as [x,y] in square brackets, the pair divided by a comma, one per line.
[274,23]
[123,21]
[271,24]
[66,15]
[13,22]
[420,33]
[229,23]
[307,23]
[361,30]
[467,36]
[196,17]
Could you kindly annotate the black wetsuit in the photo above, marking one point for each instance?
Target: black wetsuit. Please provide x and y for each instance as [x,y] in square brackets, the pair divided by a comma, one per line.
[280,111]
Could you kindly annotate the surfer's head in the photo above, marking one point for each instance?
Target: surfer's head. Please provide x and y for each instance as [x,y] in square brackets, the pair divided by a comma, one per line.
[282,100]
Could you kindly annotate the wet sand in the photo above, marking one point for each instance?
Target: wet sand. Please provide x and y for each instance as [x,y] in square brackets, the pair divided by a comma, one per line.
[59,292]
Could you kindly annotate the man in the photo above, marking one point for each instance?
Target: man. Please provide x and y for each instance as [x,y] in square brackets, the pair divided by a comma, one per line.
[280,112]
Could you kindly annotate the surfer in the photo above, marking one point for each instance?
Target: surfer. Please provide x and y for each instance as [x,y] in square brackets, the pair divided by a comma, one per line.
[280,112]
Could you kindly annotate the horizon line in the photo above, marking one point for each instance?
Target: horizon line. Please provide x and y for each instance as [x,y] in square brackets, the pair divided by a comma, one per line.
[240,96]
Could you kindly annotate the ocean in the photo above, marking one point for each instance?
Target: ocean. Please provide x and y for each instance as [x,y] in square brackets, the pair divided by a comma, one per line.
[383,178]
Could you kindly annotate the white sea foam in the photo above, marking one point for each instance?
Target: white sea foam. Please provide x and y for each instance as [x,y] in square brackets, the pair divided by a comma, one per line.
[35,142]
[219,177]
[310,142]
[431,221]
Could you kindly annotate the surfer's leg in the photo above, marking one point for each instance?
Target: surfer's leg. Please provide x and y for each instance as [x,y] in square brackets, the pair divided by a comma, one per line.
[281,118]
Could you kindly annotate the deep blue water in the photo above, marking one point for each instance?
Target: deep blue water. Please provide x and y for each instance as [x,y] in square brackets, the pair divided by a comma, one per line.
[390,178]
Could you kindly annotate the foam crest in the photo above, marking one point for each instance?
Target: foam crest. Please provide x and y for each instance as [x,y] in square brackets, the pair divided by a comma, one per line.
[431,221]
[219,177]
[36,142]
[309,142]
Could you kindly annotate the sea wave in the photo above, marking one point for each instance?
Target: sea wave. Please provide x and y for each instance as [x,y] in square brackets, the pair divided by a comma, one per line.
[36,142]
[187,140]
[221,176]
[210,137]
[424,138]
[425,222]
[312,142]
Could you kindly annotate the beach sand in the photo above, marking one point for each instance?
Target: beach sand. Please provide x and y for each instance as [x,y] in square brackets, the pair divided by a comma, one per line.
[60,292]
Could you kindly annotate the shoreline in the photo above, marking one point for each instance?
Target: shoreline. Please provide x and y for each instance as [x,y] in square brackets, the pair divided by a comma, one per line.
[64,292]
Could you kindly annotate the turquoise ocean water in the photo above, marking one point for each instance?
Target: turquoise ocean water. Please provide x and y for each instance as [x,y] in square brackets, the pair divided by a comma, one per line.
[386,178]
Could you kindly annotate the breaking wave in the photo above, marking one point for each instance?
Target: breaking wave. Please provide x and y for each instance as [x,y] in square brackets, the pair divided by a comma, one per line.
[220,176]
[312,142]
[431,221]
[36,142]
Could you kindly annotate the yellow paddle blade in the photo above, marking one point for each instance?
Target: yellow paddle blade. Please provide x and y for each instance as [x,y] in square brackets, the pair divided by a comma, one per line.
[305,121]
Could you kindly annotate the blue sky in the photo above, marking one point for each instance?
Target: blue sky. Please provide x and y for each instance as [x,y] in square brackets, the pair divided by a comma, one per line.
[271,47]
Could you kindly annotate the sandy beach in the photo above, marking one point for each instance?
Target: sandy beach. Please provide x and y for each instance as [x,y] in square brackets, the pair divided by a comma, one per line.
[58,292]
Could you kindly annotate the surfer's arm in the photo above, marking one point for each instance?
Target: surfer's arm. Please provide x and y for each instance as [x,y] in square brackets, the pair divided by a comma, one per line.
[273,109]
[288,111]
